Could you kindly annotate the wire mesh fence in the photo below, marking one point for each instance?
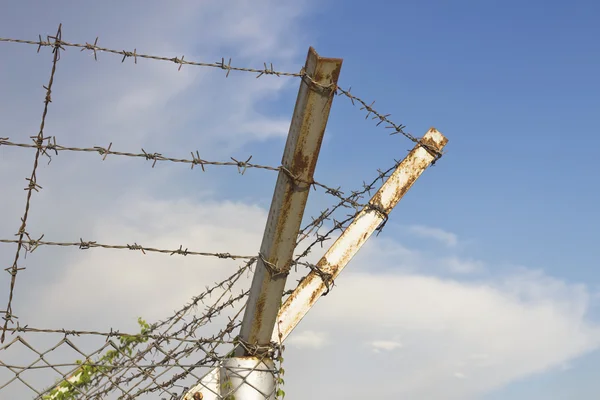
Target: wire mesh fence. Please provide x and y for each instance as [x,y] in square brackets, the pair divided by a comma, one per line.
[164,358]
[161,358]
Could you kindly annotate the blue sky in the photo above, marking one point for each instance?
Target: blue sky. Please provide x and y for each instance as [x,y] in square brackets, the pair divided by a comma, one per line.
[511,209]
[515,85]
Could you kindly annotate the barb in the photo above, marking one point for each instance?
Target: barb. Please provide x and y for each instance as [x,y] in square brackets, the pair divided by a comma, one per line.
[14,269]
[31,245]
[94,48]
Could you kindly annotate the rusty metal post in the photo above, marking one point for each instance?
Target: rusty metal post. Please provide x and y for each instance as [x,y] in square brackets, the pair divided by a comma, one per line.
[358,232]
[302,148]
[289,198]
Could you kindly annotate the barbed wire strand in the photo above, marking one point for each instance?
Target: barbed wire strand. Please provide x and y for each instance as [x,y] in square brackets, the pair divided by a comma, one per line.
[33,185]
[111,334]
[31,245]
[94,48]
[242,166]
[154,157]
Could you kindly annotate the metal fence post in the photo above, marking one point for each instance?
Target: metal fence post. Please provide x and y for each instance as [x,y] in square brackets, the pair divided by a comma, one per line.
[300,156]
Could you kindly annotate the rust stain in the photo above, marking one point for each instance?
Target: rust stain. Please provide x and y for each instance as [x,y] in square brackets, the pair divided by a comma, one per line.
[321,76]
[301,164]
[346,256]
[260,308]
[376,199]
[334,74]
[402,191]
[432,143]
[314,296]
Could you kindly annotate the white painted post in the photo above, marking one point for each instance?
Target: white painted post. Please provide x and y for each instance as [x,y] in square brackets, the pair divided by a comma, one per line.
[362,227]
[248,378]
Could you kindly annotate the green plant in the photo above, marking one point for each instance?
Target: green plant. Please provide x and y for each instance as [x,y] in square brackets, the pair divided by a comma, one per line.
[227,385]
[68,389]
[279,382]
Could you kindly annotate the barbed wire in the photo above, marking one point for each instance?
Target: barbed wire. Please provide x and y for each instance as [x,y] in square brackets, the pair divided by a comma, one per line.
[380,117]
[31,245]
[161,357]
[376,115]
[154,157]
[110,334]
[138,366]
[94,48]
[33,185]
[51,145]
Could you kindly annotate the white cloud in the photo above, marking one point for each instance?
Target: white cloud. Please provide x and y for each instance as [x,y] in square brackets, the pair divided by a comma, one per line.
[448,239]
[496,332]
[153,284]
[462,266]
[256,29]
[566,367]
[308,339]
[384,345]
